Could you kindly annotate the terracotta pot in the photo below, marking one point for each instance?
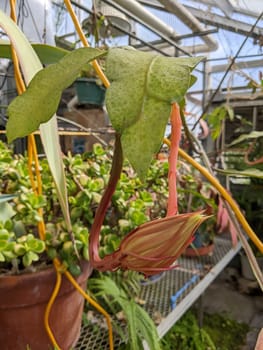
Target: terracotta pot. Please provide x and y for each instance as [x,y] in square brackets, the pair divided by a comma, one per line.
[200,251]
[23,299]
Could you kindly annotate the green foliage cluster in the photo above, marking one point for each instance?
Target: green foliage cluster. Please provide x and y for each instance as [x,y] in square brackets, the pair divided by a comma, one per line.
[137,325]
[187,335]
[21,247]
[225,332]
[134,202]
[217,116]
[219,332]
[18,250]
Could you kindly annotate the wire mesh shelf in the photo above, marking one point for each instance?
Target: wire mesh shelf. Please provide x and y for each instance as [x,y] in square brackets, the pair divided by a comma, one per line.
[167,299]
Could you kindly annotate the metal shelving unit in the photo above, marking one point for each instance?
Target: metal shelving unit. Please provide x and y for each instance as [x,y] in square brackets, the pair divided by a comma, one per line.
[173,294]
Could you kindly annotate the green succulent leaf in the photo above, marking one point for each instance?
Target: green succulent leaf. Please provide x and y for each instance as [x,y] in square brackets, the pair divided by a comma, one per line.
[68,247]
[85,253]
[29,257]
[52,253]
[74,269]
[3,245]
[19,249]
[143,86]
[9,255]
[6,210]
[39,103]
[4,235]
[36,245]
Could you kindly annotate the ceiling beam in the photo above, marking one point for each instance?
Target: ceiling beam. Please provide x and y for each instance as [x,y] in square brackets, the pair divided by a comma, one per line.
[225,23]
[215,3]
[137,19]
[181,12]
[240,65]
[224,6]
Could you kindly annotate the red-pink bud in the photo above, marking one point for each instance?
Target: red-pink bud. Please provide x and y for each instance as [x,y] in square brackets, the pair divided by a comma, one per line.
[154,246]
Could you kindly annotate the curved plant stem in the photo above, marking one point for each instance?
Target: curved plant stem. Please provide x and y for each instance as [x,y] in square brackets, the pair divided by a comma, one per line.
[176,124]
[59,271]
[248,250]
[97,306]
[105,201]
[224,194]
[49,306]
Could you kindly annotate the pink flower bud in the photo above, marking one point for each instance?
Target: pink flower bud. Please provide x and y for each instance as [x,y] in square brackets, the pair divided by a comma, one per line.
[153,247]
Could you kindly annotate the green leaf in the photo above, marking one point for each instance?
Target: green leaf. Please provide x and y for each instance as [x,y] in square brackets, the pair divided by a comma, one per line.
[29,257]
[144,322]
[3,245]
[130,313]
[230,112]
[247,137]
[39,103]
[19,249]
[252,172]
[4,235]
[6,212]
[47,54]
[36,245]
[215,119]
[140,325]
[6,197]
[143,86]
[74,269]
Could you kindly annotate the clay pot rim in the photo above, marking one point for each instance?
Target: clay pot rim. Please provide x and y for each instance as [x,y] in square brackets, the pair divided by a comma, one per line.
[44,280]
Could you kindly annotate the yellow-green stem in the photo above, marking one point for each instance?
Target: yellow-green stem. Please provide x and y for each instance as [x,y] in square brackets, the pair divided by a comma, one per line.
[49,306]
[84,41]
[225,195]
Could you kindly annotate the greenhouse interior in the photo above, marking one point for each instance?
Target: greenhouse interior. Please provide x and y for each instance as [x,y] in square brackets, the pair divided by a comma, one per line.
[131,174]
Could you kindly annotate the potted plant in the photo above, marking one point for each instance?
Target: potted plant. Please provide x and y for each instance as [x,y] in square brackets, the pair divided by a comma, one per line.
[89,88]
[60,241]
[27,274]
[135,106]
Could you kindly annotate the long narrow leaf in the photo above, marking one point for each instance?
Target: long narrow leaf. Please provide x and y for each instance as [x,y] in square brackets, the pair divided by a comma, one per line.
[46,53]
[7,197]
[252,172]
[247,137]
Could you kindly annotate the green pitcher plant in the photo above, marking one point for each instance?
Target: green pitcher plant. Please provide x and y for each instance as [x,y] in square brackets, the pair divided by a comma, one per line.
[145,91]
[134,105]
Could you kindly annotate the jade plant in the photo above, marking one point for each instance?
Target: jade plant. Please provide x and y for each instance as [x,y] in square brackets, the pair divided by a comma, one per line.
[21,248]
